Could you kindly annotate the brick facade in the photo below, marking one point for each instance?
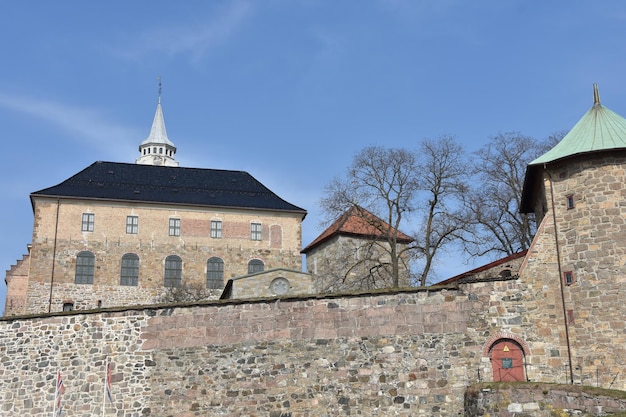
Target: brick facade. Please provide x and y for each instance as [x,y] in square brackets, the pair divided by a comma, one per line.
[61,236]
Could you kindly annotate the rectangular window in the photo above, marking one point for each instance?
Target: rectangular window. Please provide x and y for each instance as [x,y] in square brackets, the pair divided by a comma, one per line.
[255,231]
[132,225]
[568,277]
[88,222]
[570,202]
[570,316]
[216,229]
[174,227]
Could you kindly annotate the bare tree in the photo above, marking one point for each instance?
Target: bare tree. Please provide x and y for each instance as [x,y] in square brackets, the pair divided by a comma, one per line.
[381,181]
[396,185]
[494,201]
[442,177]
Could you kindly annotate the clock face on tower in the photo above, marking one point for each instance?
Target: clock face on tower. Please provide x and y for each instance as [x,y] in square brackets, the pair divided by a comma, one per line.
[280,286]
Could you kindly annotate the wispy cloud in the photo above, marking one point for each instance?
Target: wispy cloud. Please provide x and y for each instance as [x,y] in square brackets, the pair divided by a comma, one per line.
[195,40]
[85,126]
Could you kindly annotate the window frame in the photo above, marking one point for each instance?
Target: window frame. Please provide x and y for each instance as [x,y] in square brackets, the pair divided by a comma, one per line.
[174,226]
[216,229]
[568,278]
[132,225]
[85,268]
[215,273]
[256,231]
[255,266]
[173,272]
[88,222]
[129,274]
[570,201]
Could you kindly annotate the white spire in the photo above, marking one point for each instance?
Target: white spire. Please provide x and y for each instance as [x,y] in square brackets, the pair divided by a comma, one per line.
[157,149]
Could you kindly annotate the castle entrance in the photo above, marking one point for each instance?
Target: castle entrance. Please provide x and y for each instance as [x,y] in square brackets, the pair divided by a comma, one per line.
[507,361]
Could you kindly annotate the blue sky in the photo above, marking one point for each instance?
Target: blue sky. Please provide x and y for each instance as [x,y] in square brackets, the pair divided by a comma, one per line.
[288,90]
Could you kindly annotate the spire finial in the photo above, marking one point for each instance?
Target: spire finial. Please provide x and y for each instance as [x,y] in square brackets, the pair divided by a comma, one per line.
[160,86]
[596,95]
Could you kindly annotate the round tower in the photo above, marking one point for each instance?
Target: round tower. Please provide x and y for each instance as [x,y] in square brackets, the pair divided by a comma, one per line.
[576,267]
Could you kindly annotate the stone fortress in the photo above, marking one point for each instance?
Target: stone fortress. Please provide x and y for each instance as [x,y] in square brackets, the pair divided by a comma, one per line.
[552,314]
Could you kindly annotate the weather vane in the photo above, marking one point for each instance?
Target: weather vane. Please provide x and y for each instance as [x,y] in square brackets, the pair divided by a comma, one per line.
[159,78]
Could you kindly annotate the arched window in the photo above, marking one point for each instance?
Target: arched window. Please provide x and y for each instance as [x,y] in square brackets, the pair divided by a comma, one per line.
[85,263]
[130,270]
[173,271]
[215,273]
[255,265]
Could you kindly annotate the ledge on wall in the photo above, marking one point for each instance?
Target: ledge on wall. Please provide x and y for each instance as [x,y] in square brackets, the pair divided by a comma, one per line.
[543,399]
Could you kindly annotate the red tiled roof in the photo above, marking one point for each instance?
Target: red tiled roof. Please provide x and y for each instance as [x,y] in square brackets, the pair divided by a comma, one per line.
[356,222]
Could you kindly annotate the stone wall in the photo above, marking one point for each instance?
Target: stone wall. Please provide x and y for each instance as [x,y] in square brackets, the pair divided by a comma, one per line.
[574,324]
[404,353]
[261,284]
[542,400]
[348,263]
[16,280]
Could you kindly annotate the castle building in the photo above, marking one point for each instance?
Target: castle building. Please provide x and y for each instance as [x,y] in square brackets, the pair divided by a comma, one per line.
[552,314]
[119,234]
[575,269]
[354,253]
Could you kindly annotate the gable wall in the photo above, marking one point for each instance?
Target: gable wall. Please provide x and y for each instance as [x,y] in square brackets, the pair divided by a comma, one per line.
[341,263]
[16,280]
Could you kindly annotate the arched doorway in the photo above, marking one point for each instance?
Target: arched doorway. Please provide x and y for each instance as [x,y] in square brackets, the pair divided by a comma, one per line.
[507,361]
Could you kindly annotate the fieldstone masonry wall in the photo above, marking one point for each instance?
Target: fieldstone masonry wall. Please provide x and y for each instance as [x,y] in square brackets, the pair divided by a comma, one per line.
[541,401]
[403,353]
[399,353]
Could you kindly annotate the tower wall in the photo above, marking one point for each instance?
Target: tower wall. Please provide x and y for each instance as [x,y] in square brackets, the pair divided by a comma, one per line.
[590,310]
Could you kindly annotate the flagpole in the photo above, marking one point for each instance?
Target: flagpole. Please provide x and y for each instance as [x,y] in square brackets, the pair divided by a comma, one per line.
[56,393]
[104,386]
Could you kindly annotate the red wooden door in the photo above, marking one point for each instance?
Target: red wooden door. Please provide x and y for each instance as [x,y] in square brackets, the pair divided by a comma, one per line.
[507,361]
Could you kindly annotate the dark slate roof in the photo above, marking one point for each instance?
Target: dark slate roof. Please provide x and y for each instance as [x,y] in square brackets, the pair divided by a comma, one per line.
[169,185]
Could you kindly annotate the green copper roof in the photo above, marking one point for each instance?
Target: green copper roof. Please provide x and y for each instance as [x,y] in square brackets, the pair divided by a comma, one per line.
[598,130]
